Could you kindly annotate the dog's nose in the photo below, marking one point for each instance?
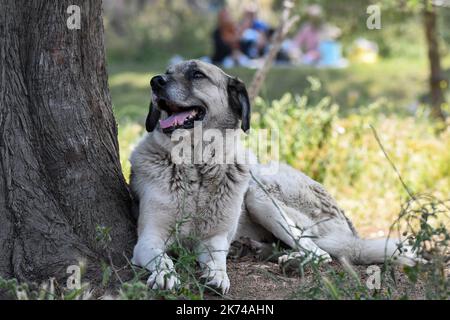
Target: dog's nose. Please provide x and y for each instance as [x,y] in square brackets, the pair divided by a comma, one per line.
[158,82]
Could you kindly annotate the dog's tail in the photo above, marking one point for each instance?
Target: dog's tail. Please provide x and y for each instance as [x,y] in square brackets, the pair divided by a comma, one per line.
[367,251]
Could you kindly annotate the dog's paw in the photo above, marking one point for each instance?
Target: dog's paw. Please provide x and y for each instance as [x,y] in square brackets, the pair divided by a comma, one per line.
[217,279]
[163,280]
[317,256]
[408,257]
[291,256]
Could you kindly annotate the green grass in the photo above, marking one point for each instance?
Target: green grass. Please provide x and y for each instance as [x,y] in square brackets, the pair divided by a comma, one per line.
[351,87]
[400,81]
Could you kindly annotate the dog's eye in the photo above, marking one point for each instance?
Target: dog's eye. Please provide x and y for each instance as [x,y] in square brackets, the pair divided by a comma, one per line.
[198,75]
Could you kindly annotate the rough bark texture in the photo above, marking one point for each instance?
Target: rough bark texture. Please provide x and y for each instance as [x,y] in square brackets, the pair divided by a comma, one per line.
[434,58]
[60,174]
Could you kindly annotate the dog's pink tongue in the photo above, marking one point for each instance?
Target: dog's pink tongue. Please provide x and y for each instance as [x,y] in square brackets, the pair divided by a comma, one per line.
[174,120]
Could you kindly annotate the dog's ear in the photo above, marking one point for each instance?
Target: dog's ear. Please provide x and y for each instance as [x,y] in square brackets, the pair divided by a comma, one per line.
[152,118]
[238,101]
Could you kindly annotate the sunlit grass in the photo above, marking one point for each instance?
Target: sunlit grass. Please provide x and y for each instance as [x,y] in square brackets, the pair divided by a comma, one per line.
[129,134]
[138,80]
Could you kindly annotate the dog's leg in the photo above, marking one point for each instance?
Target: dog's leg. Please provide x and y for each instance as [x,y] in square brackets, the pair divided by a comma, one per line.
[212,257]
[290,226]
[149,253]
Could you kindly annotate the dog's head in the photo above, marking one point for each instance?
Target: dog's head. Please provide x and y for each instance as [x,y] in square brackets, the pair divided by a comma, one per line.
[197,91]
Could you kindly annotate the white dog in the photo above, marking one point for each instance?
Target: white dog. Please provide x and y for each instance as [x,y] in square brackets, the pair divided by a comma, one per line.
[221,202]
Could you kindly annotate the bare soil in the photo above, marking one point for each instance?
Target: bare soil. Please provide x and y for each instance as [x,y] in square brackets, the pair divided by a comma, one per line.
[252,279]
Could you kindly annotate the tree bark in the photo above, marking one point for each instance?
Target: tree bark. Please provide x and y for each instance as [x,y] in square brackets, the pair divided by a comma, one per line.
[60,175]
[436,76]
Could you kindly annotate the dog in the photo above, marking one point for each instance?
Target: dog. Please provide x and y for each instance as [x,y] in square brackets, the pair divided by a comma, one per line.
[222,202]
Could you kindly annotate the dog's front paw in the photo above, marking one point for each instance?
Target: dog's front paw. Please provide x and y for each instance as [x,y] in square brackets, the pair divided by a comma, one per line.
[217,279]
[163,280]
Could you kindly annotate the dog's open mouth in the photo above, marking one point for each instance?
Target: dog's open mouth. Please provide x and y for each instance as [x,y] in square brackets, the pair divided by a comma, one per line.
[179,117]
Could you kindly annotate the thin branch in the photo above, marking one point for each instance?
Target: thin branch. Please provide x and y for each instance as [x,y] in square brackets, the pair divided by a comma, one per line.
[287,22]
[411,195]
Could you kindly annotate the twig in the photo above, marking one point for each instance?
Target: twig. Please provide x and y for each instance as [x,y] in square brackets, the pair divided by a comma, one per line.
[280,34]
[277,206]
[411,195]
[114,268]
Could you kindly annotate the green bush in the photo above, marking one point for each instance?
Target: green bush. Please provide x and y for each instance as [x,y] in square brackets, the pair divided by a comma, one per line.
[343,154]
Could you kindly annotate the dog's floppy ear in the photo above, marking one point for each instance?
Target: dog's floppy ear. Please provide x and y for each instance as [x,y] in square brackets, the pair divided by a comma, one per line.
[238,101]
[152,118]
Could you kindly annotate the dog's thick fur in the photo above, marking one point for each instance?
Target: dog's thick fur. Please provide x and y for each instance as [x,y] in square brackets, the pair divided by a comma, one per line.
[218,203]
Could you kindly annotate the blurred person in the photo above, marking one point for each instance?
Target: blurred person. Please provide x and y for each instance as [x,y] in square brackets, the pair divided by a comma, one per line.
[225,38]
[305,45]
[315,43]
[254,33]
[250,20]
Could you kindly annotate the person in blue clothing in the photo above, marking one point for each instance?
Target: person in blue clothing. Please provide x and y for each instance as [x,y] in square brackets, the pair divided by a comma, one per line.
[254,33]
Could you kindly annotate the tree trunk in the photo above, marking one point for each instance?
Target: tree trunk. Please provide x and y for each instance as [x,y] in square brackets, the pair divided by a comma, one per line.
[60,175]
[436,76]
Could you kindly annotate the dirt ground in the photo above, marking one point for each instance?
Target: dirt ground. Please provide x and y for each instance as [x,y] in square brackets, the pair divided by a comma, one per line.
[260,280]
[252,279]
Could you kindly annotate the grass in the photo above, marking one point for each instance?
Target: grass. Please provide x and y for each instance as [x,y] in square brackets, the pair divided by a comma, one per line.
[402,81]
[357,85]
[318,280]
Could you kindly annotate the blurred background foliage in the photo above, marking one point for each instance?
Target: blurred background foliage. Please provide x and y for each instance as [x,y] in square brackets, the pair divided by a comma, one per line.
[142,30]
[324,114]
